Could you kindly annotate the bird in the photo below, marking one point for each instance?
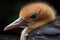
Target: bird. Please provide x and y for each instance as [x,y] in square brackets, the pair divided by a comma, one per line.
[32,16]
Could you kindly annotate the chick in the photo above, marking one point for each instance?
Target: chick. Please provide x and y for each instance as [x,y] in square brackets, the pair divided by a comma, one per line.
[32,16]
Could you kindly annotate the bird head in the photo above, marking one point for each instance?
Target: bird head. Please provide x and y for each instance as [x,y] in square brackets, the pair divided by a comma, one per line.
[32,16]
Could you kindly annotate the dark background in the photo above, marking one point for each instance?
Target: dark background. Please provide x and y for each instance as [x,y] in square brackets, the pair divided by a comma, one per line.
[9,11]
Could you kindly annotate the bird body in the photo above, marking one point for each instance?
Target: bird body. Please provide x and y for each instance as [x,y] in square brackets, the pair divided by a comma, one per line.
[49,31]
[34,15]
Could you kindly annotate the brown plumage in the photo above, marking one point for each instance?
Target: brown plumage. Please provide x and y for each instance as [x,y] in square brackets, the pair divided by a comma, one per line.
[35,15]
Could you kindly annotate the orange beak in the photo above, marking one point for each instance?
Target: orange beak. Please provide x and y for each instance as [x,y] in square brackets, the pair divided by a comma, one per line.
[19,23]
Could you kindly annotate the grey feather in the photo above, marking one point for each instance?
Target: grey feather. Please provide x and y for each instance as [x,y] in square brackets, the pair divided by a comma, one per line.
[51,31]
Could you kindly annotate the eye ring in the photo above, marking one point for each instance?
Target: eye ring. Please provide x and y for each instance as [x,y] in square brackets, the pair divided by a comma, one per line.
[33,16]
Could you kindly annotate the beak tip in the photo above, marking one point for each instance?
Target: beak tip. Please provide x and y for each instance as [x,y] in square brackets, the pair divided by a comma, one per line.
[5,29]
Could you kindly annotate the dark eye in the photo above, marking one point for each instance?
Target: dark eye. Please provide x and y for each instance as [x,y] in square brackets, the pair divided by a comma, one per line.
[33,16]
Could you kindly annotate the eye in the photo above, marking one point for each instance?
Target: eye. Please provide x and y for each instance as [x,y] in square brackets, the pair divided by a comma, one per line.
[33,16]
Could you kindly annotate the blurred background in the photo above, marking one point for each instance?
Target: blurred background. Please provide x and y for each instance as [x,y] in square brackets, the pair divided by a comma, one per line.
[9,11]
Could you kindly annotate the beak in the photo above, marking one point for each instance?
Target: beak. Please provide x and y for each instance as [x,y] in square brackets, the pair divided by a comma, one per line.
[19,23]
